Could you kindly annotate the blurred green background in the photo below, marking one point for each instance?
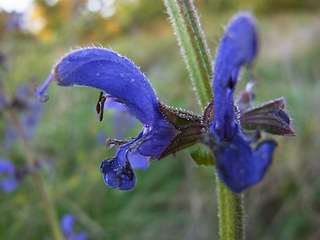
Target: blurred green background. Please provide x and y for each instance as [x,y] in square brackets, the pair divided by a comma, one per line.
[174,198]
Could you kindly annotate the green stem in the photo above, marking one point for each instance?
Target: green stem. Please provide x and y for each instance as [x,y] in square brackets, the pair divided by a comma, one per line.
[38,180]
[193,46]
[231,213]
[196,55]
[199,41]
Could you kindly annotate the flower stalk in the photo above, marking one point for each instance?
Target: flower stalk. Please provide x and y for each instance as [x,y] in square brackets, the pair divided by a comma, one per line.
[38,180]
[231,213]
[197,57]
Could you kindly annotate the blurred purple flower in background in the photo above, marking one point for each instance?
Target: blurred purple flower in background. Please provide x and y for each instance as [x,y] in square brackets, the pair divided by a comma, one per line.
[121,118]
[14,21]
[29,113]
[31,109]
[11,175]
[67,223]
[8,176]
[101,138]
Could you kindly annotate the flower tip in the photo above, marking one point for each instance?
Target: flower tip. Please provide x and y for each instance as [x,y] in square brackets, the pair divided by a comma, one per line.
[289,133]
[245,15]
[41,96]
[244,18]
[40,93]
[117,176]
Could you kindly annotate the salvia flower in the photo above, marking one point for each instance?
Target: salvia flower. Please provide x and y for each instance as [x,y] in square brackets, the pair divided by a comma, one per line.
[165,130]
[67,223]
[11,175]
[8,180]
[238,163]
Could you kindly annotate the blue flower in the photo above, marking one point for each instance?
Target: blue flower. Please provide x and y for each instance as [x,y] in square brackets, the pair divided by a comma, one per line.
[10,182]
[124,83]
[67,223]
[238,164]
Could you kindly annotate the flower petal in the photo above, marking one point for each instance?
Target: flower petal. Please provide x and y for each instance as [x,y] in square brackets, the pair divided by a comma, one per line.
[157,139]
[238,46]
[117,172]
[239,166]
[116,75]
[137,161]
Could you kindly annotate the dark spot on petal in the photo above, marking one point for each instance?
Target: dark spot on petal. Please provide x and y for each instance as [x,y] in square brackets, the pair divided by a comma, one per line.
[231,84]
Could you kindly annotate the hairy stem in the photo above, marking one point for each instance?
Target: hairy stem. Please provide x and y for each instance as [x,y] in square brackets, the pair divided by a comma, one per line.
[193,46]
[38,180]
[231,213]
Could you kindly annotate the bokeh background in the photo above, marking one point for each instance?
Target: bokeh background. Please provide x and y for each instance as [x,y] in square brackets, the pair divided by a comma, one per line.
[174,198]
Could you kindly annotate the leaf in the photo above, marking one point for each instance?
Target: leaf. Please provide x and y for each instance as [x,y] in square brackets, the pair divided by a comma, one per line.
[202,155]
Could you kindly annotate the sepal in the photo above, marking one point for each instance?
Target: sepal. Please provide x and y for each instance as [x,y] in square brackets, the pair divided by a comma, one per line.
[189,125]
[181,141]
[269,117]
[208,114]
[180,119]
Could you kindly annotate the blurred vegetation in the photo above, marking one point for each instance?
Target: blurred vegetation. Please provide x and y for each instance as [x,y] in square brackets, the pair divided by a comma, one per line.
[173,199]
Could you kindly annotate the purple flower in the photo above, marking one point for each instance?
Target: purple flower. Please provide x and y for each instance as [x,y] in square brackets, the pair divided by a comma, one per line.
[125,84]
[30,112]
[14,21]
[30,108]
[239,165]
[9,182]
[101,138]
[67,223]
